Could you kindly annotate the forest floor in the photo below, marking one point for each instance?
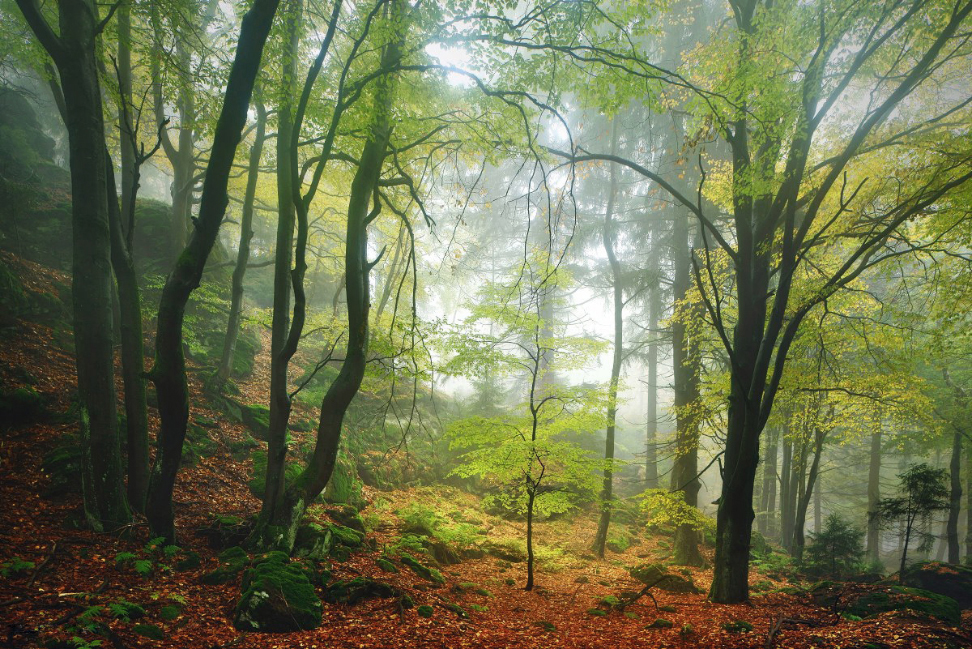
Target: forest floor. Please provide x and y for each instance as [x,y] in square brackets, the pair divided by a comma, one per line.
[53,574]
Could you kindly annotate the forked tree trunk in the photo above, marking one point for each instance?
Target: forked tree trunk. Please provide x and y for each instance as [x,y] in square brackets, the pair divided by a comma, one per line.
[169,370]
[74,55]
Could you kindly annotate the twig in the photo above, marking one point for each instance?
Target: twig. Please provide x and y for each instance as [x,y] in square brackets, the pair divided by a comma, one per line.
[43,564]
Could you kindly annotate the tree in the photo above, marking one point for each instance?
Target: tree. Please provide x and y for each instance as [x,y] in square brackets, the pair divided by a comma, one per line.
[73,51]
[836,550]
[169,369]
[791,193]
[525,451]
[925,491]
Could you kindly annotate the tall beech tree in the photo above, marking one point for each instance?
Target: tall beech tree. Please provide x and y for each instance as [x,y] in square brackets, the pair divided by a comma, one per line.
[792,191]
[169,369]
[73,50]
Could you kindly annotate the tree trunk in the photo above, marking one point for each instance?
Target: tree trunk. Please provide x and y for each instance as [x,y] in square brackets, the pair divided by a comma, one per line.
[768,491]
[873,497]
[283,285]
[685,366]
[654,315]
[818,506]
[786,485]
[608,236]
[531,498]
[243,254]
[968,501]
[279,526]
[169,370]
[799,539]
[74,55]
[132,345]
[955,500]
[125,136]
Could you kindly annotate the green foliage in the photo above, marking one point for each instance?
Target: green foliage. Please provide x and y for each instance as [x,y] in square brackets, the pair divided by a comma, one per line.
[15,566]
[924,491]
[664,509]
[836,551]
[425,610]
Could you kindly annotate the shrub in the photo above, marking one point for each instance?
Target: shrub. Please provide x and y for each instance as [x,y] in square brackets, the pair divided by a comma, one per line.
[836,551]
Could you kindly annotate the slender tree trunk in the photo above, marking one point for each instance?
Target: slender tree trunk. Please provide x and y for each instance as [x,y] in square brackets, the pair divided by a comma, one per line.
[608,236]
[280,401]
[169,370]
[968,501]
[786,485]
[125,136]
[282,522]
[243,254]
[818,506]
[531,498]
[955,499]
[799,539]
[132,345]
[654,315]
[768,492]
[74,55]
[686,366]
[873,497]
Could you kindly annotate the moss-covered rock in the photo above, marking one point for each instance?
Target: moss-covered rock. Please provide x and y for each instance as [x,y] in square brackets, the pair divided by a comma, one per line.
[150,631]
[944,579]
[225,531]
[277,597]
[661,623]
[20,406]
[386,564]
[737,626]
[423,571]
[869,602]
[653,574]
[358,589]
[425,610]
[232,562]
[313,542]
[256,417]
[348,516]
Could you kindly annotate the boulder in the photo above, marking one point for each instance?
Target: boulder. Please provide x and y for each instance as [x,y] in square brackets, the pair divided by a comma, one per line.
[870,601]
[277,597]
[232,562]
[944,579]
[655,575]
[358,589]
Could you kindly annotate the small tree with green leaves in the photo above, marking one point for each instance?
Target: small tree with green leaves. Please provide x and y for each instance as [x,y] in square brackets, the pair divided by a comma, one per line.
[835,551]
[523,448]
[924,490]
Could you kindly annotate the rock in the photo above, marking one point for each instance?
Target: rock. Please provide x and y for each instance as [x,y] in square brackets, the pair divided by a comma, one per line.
[661,623]
[386,565]
[425,610]
[425,572]
[867,602]
[506,551]
[190,561]
[653,574]
[347,516]
[256,417]
[277,597]
[358,589]
[226,531]
[583,579]
[944,579]
[313,542]
[232,563]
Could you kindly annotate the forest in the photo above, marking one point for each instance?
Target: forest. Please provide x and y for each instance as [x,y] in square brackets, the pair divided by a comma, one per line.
[486,323]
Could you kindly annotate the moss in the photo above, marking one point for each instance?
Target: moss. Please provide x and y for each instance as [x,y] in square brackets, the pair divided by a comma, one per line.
[653,574]
[425,572]
[277,597]
[618,543]
[358,589]
[149,631]
[256,417]
[737,626]
[257,481]
[425,610]
[232,563]
[545,625]
[597,612]
[386,565]
[661,623]
[169,612]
